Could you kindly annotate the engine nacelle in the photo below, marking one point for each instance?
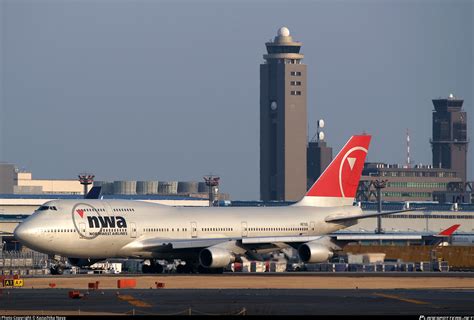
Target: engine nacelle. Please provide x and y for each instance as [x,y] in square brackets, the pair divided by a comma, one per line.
[215,257]
[314,252]
[79,262]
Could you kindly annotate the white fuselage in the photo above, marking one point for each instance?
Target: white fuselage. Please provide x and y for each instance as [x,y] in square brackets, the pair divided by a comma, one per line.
[109,228]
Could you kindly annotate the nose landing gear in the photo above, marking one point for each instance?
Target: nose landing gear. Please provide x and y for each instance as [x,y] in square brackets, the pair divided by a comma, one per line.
[56,269]
[56,265]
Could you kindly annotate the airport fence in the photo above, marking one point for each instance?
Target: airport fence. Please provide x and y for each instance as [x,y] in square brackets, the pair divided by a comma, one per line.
[458,256]
[23,263]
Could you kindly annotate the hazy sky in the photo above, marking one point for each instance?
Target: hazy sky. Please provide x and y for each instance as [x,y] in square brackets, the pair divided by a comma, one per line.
[169,90]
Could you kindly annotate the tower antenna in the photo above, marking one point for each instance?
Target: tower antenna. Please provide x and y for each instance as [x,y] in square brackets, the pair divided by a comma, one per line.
[408,149]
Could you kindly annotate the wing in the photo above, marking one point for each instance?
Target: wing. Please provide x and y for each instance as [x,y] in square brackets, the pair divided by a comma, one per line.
[166,244]
[238,244]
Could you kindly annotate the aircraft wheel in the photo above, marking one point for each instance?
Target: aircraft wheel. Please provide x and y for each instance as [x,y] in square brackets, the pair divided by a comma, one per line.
[201,269]
[188,268]
[217,271]
[57,270]
[180,268]
[146,269]
[157,268]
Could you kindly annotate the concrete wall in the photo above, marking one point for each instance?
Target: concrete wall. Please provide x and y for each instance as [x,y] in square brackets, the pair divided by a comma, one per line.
[54,186]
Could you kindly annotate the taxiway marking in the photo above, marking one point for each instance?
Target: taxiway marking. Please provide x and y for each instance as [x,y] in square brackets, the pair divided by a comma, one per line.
[133,301]
[392,296]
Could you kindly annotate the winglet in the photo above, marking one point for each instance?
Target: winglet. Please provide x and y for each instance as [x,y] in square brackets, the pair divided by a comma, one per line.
[448,232]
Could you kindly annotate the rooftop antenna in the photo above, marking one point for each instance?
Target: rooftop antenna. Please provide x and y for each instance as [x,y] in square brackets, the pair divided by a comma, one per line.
[408,149]
[212,182]
[319,135]
[86,179]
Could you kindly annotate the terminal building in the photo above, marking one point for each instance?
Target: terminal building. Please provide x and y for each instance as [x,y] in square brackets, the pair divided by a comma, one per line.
[420,183]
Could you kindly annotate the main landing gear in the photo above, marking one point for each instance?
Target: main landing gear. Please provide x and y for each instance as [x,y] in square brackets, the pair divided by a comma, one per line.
[153,267]
[197,268]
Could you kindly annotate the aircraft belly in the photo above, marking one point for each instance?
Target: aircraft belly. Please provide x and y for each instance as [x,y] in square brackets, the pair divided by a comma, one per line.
[87,248]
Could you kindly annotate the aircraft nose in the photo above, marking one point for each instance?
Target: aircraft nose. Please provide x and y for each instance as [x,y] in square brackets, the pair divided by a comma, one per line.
[22,233]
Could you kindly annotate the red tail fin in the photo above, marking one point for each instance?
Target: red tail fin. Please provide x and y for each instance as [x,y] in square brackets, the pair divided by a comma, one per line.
[337,185]
[448,232]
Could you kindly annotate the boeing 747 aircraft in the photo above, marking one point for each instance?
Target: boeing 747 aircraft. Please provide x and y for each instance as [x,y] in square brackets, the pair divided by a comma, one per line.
[208,239]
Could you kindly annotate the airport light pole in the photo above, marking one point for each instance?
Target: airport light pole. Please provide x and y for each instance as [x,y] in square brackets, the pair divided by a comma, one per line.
[379,185]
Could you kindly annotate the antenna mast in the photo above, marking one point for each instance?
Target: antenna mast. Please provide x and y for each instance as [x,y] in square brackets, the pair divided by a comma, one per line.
[408,149]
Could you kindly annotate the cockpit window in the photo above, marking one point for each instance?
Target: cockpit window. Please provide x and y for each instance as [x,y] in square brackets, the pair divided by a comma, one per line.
[42,208]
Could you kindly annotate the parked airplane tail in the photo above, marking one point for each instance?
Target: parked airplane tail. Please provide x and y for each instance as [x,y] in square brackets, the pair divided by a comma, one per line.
[449,232]
[337,185]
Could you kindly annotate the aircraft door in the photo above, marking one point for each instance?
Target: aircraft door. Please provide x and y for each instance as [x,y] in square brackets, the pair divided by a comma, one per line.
[311,227]
[194,230]
[244,229]
[82,229]
[133,230]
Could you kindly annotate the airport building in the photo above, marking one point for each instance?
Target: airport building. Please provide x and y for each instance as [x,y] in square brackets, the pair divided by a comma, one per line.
[433,217]
[283,120]
[445,180]
[15,181]
[319,156]
[20,182]
[420,183]
[449,143]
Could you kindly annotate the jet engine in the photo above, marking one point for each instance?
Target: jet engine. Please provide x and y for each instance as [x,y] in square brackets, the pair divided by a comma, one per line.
[78,262]
[314,252]
[215,257]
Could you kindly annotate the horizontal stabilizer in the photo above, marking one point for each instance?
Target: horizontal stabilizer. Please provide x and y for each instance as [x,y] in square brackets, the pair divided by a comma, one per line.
[339,218]
[448,232]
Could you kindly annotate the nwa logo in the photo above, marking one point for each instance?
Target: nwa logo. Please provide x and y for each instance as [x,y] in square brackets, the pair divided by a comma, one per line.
[103,222]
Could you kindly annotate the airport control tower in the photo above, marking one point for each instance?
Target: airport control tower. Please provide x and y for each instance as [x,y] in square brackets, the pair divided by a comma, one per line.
[283,123]
[449,142]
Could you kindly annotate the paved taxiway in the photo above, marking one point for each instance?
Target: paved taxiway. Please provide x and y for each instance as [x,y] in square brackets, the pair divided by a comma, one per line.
[262,281]
[233,301]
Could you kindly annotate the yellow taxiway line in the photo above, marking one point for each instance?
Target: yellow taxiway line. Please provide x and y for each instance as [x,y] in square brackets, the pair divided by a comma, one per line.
[392,296]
